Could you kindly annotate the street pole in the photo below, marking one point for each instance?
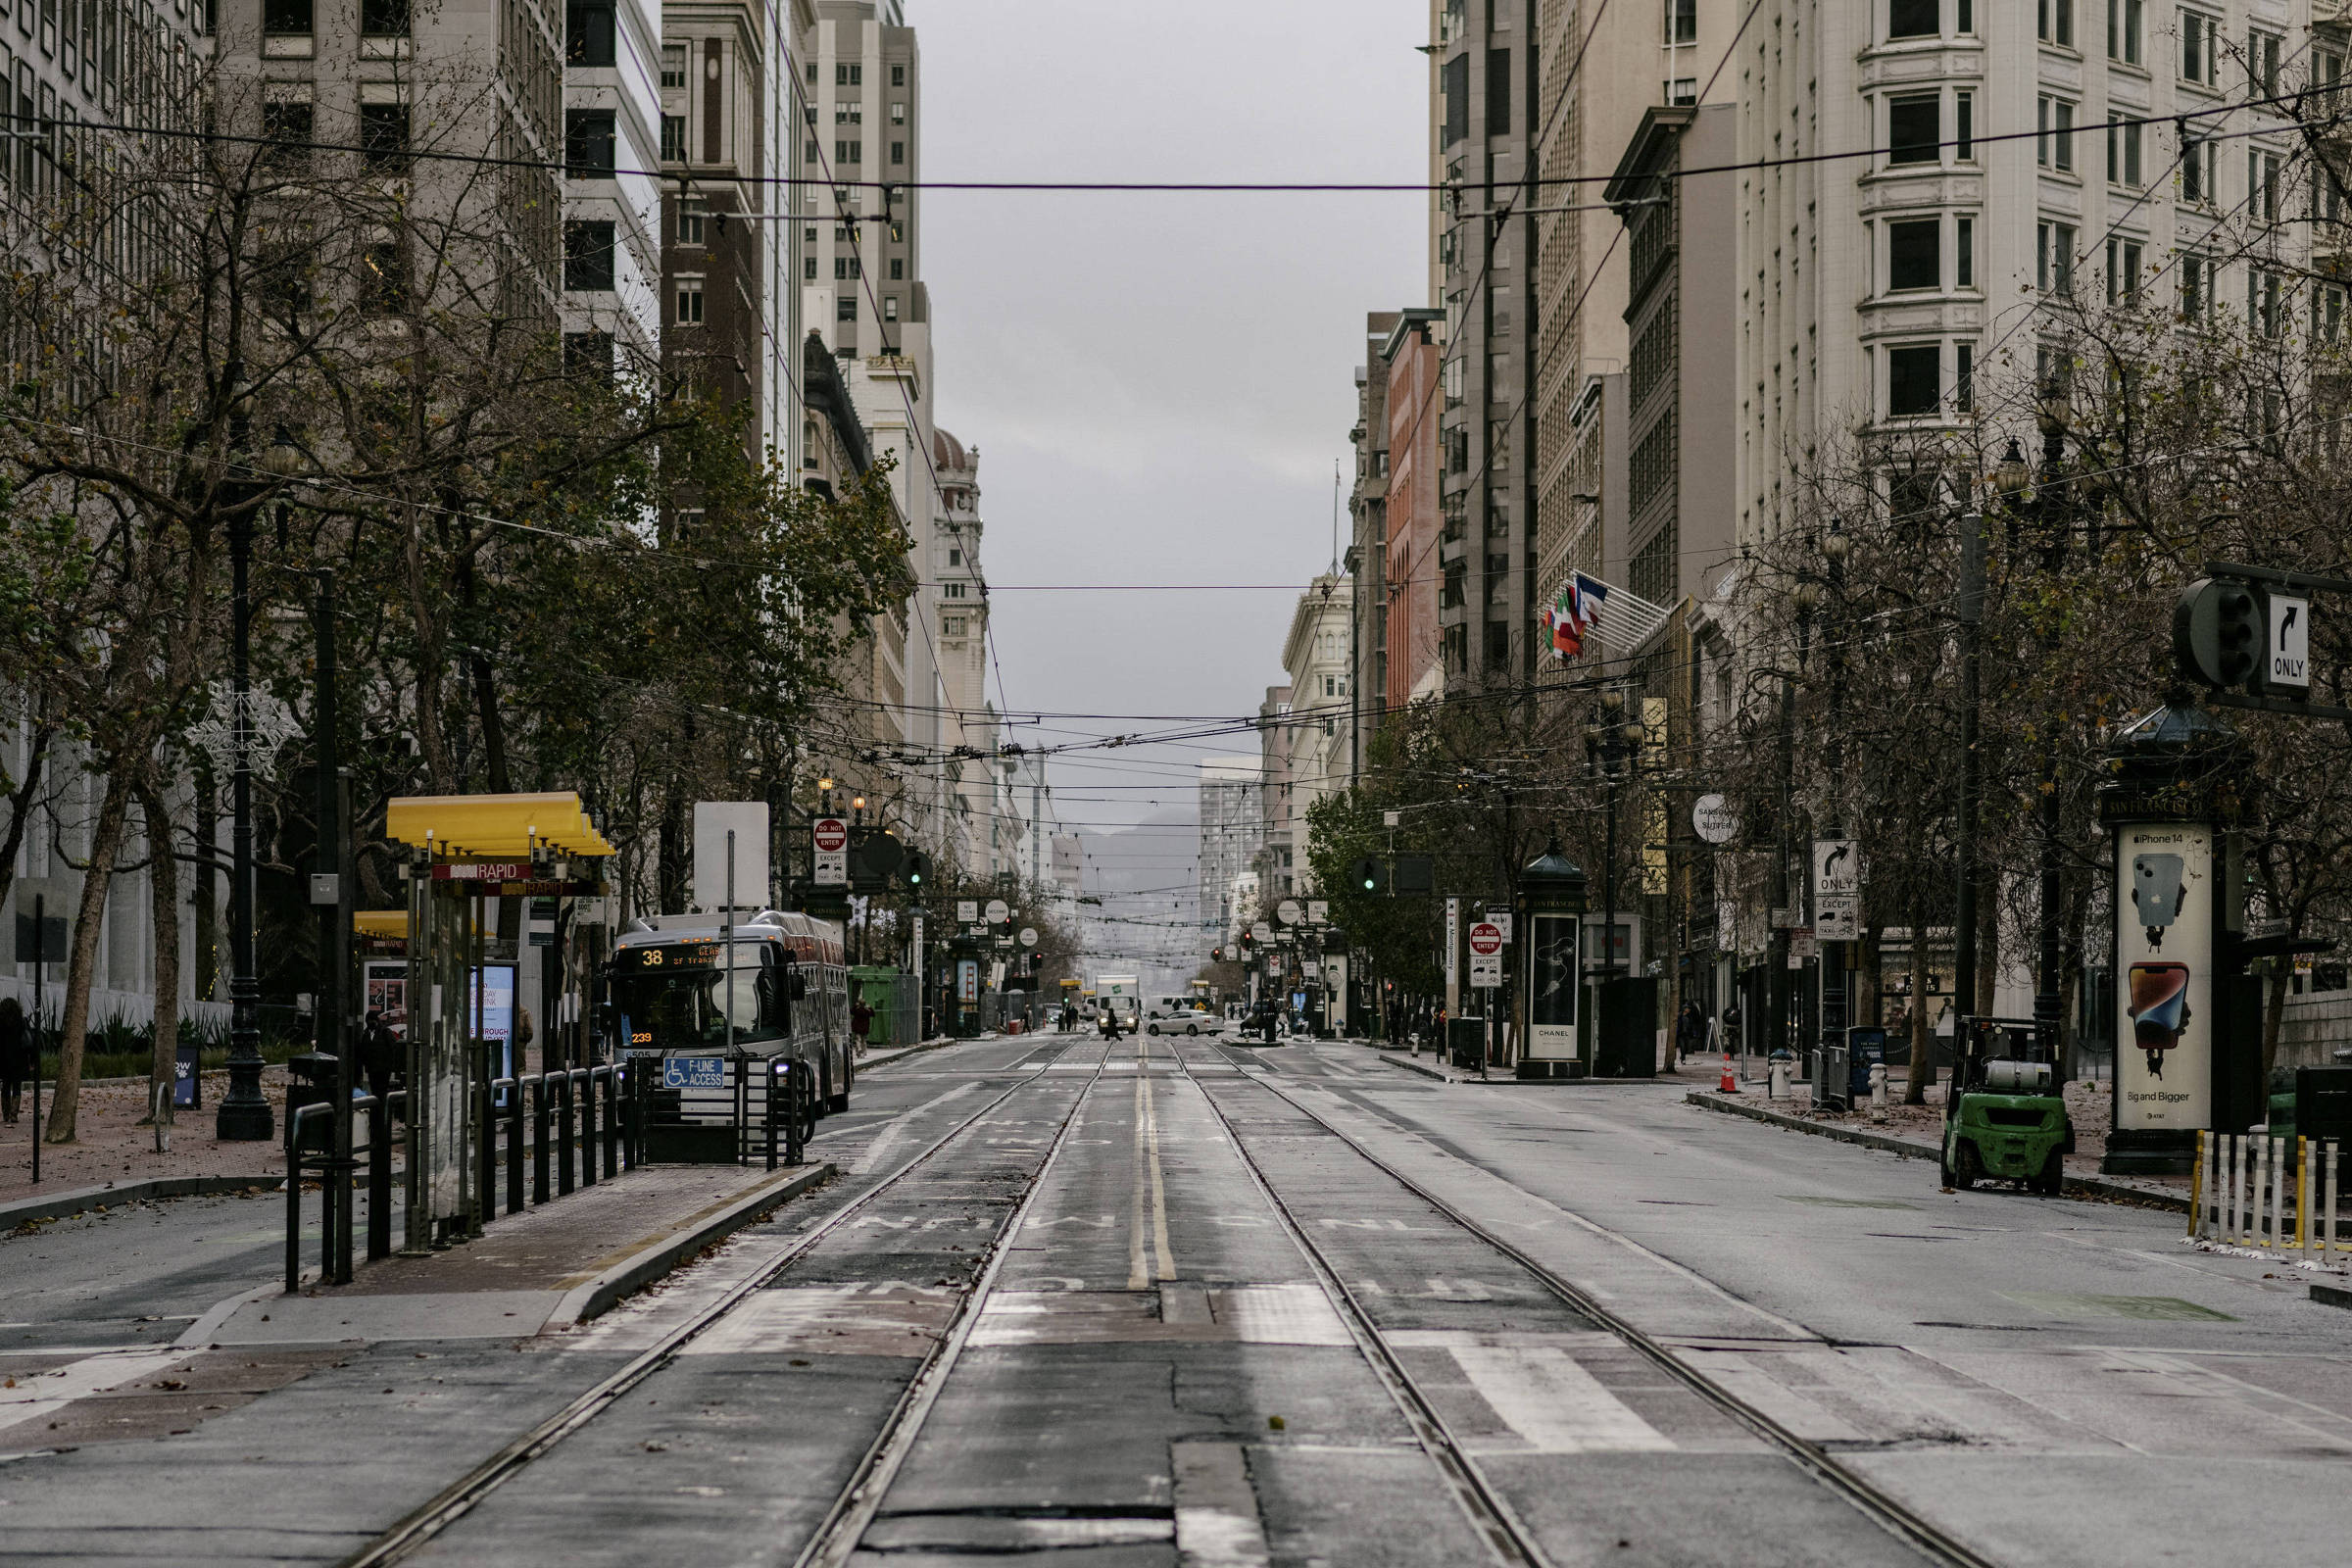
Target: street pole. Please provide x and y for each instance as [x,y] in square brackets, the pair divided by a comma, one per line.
[334,948]
[1963,918]
[2052,504]
[244,1115]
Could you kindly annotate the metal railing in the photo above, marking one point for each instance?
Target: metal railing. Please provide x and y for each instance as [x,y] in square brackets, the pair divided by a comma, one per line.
[2276,1194]
[586,1124]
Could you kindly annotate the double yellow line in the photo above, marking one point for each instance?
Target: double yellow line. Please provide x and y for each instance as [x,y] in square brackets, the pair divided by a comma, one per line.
[1150,1190]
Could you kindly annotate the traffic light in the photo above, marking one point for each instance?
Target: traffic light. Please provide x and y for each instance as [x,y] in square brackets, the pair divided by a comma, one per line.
[1216,954]
[1369,875]
[2218,633]
[917,867]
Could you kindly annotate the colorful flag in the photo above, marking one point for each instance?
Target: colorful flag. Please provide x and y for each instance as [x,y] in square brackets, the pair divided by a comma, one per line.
[1567,640]
[1586,596]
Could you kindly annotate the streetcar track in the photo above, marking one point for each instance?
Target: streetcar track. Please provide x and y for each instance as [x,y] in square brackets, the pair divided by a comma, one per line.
[1875,1503]
[453,1503]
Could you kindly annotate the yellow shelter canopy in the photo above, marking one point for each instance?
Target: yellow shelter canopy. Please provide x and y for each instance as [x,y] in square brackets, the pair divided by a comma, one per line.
[495,827]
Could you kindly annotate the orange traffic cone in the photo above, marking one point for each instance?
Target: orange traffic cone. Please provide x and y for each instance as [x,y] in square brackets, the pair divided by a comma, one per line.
[1730,1084]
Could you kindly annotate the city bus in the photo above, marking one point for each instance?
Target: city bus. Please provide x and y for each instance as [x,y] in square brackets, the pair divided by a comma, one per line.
[679,1000]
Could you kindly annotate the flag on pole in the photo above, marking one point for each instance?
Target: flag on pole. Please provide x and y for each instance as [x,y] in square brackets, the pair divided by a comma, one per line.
[1575,617]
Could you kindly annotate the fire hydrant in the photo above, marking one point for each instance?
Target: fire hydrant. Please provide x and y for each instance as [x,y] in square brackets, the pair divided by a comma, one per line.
[1877,1092]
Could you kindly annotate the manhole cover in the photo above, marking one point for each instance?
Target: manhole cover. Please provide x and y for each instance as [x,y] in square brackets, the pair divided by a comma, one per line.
[2144,1309]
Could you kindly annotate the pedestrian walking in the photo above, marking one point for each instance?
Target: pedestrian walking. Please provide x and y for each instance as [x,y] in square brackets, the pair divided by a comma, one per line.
[16,1058]
[862,1020]
[381,1053]
[1110,1021]
[1690,1032]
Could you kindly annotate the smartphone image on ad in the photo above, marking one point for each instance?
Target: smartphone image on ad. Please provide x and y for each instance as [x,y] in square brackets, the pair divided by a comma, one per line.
[2159,1009]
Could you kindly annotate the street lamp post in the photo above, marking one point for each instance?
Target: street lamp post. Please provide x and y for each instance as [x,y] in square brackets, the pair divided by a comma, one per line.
[244,1115]
[1612,743]
[2051,509]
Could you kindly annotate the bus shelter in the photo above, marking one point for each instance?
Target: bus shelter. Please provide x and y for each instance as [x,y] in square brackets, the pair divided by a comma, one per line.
[461,850]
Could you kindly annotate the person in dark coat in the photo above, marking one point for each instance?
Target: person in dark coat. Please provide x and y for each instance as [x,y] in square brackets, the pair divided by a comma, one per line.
[16,1058]
[382,1054]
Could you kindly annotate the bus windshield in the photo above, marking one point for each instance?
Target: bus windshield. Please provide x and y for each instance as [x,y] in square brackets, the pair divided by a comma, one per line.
[688,1008]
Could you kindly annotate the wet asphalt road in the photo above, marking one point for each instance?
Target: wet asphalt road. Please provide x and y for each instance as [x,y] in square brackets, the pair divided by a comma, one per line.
[1158,1371]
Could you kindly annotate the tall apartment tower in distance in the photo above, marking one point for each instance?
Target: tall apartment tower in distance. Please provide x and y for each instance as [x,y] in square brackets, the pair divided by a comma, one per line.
[858,107]
[1934,281]
[1486,51]
[611,197]
[1232,829]
[727,125]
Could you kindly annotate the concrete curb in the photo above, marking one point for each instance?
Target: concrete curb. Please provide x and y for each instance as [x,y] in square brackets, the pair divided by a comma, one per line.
[1424,1068]
[901,1052]
[60,1206]
[2091,1185]
[600,1295]
[2332,1296]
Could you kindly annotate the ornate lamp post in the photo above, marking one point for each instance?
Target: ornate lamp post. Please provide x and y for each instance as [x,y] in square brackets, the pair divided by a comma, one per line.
[244,1115]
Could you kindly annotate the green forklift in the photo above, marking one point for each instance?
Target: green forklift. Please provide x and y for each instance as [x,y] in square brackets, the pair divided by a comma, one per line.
[2003,1116]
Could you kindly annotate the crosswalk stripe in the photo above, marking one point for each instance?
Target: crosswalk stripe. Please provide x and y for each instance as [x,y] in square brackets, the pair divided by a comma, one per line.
[1554,1403]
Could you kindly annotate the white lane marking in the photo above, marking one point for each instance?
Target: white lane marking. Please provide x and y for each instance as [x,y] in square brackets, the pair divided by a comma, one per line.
[1217,1524]
[1279,1314]
[896,1129]
[1552,1403]
[34,1398]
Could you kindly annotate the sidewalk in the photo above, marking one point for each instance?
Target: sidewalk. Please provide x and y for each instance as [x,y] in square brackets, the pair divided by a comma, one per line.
[111,1149]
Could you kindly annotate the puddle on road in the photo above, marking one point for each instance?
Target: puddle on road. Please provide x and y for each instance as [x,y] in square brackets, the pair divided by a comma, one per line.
[2142,1308]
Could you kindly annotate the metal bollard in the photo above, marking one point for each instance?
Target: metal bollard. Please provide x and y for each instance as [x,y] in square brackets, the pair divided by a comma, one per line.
[612,1122]
[564,1161]
[543,1135]
[1877,1092]
[379,1178]
[514,1147]
[587,1126]
[485,1159]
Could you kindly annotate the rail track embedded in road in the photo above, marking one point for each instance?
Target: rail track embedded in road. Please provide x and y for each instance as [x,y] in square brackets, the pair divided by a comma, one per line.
[454,1502]
[1884,1510]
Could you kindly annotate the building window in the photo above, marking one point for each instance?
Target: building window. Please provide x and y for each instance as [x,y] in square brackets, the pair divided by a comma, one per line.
[1964,253]
[2262,64]
[2262,184]
[588,254]
[2057,23]
[2054,258]
[890,306]
[2198,278]
[809,269]
[844,308]
[384,279]
[2125,28]
[2123,152]
[2123,272]
[384,137]
[2200,37]
[953,590]
[1498,92]
[849,152]
[1915,253]
[692,210]
[690,302]
[674,65]
[588,143]
[898,75]
[1964,125]
[384,19]
[1964,377]
[280,18]
[289,126]
[898,269]
[1913,371]
[2264,292]
[1453,85]
[2197,169]
[2054,134]
[1682,22]
[951,625]
[897,113]
[844,268]
[1913,19]
[1680,91]
[1914,125]
[2327,314]
[588,354]
[897,152]
[849,74]
[2327,78]
[589,33]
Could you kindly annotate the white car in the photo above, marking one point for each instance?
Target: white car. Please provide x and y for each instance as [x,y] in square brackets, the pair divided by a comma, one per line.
[1192,1022]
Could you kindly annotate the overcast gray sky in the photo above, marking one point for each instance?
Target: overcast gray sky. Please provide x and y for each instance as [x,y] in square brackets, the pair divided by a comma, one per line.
[1159,385]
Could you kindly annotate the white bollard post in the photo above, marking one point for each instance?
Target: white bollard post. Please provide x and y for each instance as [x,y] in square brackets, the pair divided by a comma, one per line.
[2327,1248]
[2209,1197]
[2274,1172]
[2266,1158]
[2303,1224]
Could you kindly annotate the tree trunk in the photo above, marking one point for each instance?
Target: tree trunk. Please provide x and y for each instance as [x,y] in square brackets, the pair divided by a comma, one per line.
[2274,986]
[165,872]
[1989,955]
[106,838]
[20,803]
[208,912]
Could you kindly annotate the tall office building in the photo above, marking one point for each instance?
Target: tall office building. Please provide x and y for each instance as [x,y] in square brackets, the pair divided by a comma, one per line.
[1232,829]
[612,190]
[729,126]
[1886,293]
